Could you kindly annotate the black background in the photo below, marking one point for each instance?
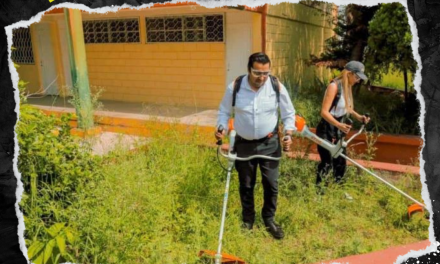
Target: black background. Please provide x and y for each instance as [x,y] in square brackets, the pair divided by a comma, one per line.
[426,14]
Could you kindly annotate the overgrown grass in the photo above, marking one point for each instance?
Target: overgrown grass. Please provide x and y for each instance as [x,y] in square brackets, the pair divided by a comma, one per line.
[395,80]
[163,205]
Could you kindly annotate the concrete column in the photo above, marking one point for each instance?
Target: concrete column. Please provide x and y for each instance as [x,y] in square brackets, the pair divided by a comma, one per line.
[78,66]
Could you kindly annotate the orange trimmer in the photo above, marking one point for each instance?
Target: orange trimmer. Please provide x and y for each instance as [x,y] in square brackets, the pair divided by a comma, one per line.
[336,150]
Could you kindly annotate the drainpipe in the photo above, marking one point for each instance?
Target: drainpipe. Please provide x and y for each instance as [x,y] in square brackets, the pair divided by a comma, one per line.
[263,27]
[78,68]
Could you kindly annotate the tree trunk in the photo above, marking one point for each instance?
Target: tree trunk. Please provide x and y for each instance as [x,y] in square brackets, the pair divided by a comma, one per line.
[357,53]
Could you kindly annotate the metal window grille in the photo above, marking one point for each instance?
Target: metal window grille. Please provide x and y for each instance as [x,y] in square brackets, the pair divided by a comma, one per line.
[206,28]
[21,41]
[111,31]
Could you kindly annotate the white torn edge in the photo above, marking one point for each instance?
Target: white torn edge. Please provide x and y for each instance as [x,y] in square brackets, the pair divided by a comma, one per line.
[213,4]
[425,192]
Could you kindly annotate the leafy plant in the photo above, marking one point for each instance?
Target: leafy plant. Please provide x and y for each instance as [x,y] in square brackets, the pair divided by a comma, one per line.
[53,167]
[53,248]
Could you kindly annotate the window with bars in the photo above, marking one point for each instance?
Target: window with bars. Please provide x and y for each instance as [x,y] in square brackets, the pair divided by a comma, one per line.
[111,31]
[21,41]
[203,28]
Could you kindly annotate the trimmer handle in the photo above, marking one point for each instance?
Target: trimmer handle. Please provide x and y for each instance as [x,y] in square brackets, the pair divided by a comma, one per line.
[220,130]
[367,115]
[286,138]
[348,121]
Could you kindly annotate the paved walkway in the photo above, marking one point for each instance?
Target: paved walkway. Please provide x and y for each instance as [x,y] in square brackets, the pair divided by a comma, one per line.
[140,111]
[106,142]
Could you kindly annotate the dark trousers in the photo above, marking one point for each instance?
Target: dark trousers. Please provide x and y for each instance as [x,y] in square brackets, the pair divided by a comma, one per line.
[326,131]
[247,173]
[327,163]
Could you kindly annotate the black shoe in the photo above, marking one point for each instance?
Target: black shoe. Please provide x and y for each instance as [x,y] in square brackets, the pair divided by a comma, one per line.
[247,226]
[275,230]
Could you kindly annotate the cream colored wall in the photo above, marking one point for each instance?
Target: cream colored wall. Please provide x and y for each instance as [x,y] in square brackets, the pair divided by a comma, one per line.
[295,31]
[32,73]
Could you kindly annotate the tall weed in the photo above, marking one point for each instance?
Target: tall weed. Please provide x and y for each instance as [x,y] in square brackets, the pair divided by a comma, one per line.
[163,204]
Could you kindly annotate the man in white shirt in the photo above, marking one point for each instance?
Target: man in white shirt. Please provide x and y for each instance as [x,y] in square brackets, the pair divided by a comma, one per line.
[256,124]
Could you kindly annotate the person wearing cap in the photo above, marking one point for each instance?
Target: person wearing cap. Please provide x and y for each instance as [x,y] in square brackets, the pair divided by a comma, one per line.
[336,106]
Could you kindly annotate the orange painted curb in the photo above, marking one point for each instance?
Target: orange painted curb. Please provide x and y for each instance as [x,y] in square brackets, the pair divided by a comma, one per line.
[385,256]
[135,126]
[86,133]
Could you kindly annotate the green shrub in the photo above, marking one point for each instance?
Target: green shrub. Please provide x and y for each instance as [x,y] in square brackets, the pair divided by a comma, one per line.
[53,167]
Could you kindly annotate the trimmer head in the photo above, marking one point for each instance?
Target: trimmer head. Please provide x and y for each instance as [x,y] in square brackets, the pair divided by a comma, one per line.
[226,258]
[414,208]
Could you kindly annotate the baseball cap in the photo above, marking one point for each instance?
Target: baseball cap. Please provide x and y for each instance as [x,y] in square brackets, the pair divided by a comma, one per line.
[358,68]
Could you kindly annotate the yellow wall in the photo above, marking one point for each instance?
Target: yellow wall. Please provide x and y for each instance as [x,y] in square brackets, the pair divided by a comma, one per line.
[167,73]
[193,73]
[256,30]
[294,31]
[29,74]
[190,74]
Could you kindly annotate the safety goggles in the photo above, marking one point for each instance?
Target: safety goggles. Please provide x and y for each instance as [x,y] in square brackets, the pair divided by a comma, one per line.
[356,77]
[256,73]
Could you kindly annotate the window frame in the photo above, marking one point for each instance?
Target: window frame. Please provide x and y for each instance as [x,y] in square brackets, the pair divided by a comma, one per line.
[183,30]
[110,32]
[18,49]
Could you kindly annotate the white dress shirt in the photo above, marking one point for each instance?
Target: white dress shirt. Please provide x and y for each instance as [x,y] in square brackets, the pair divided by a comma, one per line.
[256,112]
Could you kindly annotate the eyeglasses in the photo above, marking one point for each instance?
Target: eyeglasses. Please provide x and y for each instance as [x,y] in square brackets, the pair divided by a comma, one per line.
[256,73]
[356,77]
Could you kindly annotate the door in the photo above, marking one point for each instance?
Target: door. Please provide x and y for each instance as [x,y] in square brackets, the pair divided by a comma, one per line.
[46,59]
[238,49]
[65,52]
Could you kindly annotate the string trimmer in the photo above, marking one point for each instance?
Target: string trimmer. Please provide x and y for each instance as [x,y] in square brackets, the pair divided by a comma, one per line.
[232,157]
[336,150]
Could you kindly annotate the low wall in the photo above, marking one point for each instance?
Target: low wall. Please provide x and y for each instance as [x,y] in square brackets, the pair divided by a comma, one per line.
[400,149]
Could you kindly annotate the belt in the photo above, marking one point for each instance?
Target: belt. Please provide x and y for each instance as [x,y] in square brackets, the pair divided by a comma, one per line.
[270,135]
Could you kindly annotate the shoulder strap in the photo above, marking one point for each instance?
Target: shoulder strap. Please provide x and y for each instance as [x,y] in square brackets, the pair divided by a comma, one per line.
[237,85]
[338,95]
[276,86]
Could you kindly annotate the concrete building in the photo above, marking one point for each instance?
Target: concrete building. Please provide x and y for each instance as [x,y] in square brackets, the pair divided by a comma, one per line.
[174,54]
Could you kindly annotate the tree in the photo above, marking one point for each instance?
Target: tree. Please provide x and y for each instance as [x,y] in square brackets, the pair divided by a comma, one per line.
[389,44]
[350,39]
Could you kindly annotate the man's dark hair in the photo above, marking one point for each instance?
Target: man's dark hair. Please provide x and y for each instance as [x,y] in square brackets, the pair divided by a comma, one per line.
[259,57]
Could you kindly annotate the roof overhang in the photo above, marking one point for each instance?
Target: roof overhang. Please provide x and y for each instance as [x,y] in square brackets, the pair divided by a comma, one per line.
[258,9]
